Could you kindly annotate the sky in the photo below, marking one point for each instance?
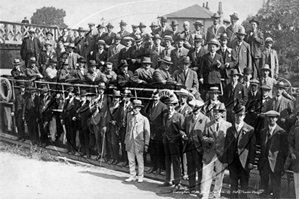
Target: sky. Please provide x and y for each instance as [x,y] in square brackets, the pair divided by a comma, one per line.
[81,12]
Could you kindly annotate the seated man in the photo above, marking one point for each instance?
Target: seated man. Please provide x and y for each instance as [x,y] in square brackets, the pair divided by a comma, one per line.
[111,76]
[32,71]
[51,72]
[94,75]
[81,71]
[64,73]
[125,78]
[145,73]
[187,77]
[161,74]
[18,72]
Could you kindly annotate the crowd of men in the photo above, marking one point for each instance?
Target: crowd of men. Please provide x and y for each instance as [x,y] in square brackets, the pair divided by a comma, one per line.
[233,101]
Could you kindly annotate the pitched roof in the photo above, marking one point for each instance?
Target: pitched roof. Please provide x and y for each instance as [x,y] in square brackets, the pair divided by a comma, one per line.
[194,11]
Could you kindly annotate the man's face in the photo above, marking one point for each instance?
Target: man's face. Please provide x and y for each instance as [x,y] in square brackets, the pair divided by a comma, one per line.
[233,20]
[22,91]
[117,41]
[240,37]
[253,25]
[101,91]
[31,34]
[126,99]
[272,120]
[163,23]
[269,44]
[175,28]
[49,36]
[142,29]
[48,47]
[212,48]
[100,29]
[197,27]
[109,29]
[171,107]
[223,42]
[214,96]
[81,33]
[216,21]
[108,69]
[198,44]
[53,65]
[186,27]
[185,66]
[157,42]
[136,110]
[128,43]
[239,118]
[122,27]
[153,28]
[80,66]
[279,91]
[165,66]
[254,87]
[149,41]
[93,69]
[70,49]
[217,114]
[134,29]
[265,92]
[100,47]
[179,43]
[235,78]
[156,98]
[116,100]
[124,69]
[182,100]
[71,94]
[83,98]
[247,77]
[168,43]
[266,73]
[146,66]
[33,64]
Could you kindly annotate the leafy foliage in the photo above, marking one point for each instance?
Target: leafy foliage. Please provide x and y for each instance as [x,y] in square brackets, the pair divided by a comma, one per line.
[49,16]
[279,19]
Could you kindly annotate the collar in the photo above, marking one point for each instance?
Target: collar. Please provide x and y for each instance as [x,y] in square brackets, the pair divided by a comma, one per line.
[212,54]
[279,98]
[234,84]
[271,129]
[238,127]
[254,93]
[224,48]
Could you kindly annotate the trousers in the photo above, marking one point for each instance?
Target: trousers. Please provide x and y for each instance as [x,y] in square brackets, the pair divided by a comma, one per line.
[194,165]
[140,160]
[172,156]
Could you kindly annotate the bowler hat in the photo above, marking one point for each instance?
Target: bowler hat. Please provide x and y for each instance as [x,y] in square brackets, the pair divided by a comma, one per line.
[123,23]
[266,67]
[116,93]
[134,26]
[80,29]
[91,24]
[198,38]
[70,89]
[241,31]
[101,85]
[235,72]
[32,59]
[198,22]
[265,87]
[269,40]
[174,23]
[148,36]
[168,38]
[156,36]
[16,62]
[49,33]
[223,37]
[128,38]
[239,109]
[109,25]
[137,103]
[146,60]
[254,82]
[83,92]
[53,60]
[142,24]
[138,38]
[172,99]
[180,37]
[272,113]
[123,63]
[92,63]
[166,60]
[31,90]
[214,42]
[186,60]
[234,15]
[164,18]
[254,20]
[81,60]
[247,71]
[101,42]
[118,37]
[214,89]
[215,16]
[281,84]
[153,24]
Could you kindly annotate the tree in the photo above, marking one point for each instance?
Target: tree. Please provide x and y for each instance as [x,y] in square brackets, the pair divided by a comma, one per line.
[279,19]
[49,16]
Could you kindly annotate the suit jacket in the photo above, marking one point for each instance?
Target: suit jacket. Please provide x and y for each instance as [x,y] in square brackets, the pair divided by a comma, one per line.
[125,80]
[189,40]
[113,55]
[123,34]
[243,55]
[25,47]
[18,73]
[167,52]
[96,76]
[83,114]
[218,135]
[20,102]
[30,110]
[176,58]
[196,58]
[230,31]
[44,57]
[255,40]
[108,38]
[271,58]
[194,130]
[63,75]
[211,33]
[162,32]
[274,150]
[125,54]
[238,93]
[243,143]
[209,71]
[101,57]
[208,107]
[88,44]
[69,110]
[154,53]
[144,75]
[32,72]
[190,80]
[161,76]
[77,74]
[73,58]
[136,56]
[80,46]
[270,82]
[253,107]
[172,132]
[293,139]
[136,140]
[97,38]
[228,56]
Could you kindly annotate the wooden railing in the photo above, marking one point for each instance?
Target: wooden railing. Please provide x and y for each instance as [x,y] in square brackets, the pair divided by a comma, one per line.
[13,33]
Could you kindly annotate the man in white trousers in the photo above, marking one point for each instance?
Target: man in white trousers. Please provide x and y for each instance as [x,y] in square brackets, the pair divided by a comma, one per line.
[136,140]
[213,145]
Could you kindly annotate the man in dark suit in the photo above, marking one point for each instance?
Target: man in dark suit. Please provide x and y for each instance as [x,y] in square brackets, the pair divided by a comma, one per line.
[168,46]
[18,72]
[69,119]
[110,35]
[137,53]
[274,151]
[239,152]
[65,37]
[123,32]
[154,112]
[175,31]
[162,75]
[156,51]
[125,78]
[80,72]
[79,42]
[247,76]
[199,30]
[31,47]
[187,77]
[255,39]
[20,102]
[196,54]
[145,73]
[195,124]
[234,93]
[88,42]
[126,52]
[101,54]
[228,57]
[178,53]
[216,29]
[242,51]
[211,67]
[114,51]
[233,28]
[164,29]
[100,36]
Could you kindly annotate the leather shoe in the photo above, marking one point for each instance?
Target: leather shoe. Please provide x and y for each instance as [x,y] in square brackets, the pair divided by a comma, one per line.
[130,179]
[151,170]
[158,171]
[166,184]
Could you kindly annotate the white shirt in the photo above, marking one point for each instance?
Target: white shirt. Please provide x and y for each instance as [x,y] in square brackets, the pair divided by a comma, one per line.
[271,129]
[239,126]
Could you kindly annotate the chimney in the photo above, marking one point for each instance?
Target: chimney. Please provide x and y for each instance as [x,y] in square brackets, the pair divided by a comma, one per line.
[220,12]
[207,6]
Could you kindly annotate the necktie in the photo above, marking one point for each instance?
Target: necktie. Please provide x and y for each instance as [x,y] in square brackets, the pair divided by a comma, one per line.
[218,126]
[215,29]
[268,135]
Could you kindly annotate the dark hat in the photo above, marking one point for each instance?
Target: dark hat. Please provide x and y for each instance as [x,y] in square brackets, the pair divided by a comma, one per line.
[101,85]
[118,37]
[254,82]
[265,87]
[134,26]
[239,109]
[153,24]
[70,90]
[101,42]
[234,15]
[198,22]
[186,60]
[146,60]
[138,38]
[215,16]
[269,40]
[174,23]
[281,84]
[266,67]
[91,24]
[164,18]
[168,38]
[123,23]
[22,86]
[16,62]
[92,63]
[235,72]
[214,89]
[172,99]
[166,60]
[180,37]
[80,29]
[156,36]
[128,38]
[82,60]
[247,71]
[123,63]
[100,26]
[53,60]
[148,36]
[142,25]
[254,20]
[137,103]
[214,42]
[44,89]
[198,38]
[32,59]
[49,33]
[223,36]
[241,31]
[109,25]
[272,113]
[31,90]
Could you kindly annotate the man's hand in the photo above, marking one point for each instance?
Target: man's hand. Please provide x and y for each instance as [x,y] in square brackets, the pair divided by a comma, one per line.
[74,118]
[227,65]
[146,148]
[113,122]
[293,156]
[201,80]
[219,64]
[250,166]
[225,165]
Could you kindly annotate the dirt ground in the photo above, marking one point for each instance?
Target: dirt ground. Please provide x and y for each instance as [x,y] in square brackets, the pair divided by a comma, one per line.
[21,177]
